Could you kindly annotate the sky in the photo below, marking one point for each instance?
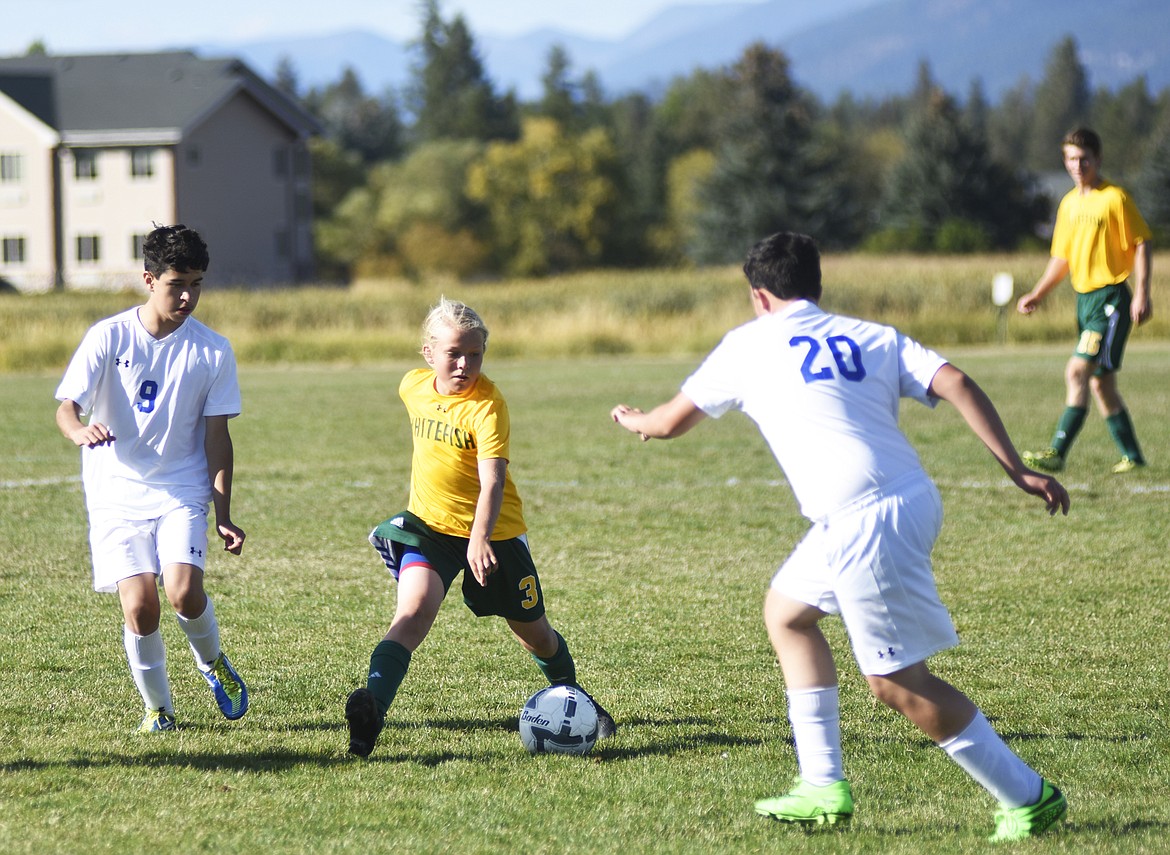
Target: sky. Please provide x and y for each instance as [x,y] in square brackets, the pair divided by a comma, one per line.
[98,26]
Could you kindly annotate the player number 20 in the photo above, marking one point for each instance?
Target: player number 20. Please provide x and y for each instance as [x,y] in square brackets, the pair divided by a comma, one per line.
[147,393]
[842,350]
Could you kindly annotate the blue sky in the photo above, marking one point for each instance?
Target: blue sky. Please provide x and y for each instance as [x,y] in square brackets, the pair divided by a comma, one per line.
[96,26]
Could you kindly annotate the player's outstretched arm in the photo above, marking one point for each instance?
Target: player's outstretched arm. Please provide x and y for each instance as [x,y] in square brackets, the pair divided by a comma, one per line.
[1052,276]
[952,385]
[666,421]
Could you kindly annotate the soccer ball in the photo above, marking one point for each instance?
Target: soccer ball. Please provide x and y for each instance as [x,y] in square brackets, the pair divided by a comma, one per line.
[558,720]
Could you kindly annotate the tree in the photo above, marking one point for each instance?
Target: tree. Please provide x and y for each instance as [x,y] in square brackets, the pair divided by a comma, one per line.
[948,194]
[557,100]
[1125,121]
[1062,102]
[1009,127]
[357,122]
[413,217]
[771,170]
[285,78]
[450,94]
[1152,189]
[551,197]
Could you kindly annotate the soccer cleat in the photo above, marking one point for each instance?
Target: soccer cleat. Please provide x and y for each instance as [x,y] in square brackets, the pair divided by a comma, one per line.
[1028,821]
[1049,460]
[364,720]
[1127,464]
[230,692]
[606,726]
[157,721]
[810,805]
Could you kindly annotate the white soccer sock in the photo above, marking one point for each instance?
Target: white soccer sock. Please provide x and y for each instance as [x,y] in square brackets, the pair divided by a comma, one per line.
[980,751]
[203,636]
[816,728]
[148,666]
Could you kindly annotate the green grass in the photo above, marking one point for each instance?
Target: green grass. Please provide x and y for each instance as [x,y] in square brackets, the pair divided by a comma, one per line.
[654,559]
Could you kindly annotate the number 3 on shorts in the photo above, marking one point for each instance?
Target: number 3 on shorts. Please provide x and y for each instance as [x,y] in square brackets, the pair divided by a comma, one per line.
[528,589]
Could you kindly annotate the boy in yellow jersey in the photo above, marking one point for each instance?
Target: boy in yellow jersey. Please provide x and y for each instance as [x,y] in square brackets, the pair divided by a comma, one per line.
[1102,243]
[464,515]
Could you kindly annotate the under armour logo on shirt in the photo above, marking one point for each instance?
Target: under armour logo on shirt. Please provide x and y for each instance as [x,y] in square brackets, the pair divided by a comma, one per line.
[195,551]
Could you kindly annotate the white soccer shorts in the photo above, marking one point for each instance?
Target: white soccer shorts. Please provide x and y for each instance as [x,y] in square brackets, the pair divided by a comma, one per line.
[121,548]
[870,563]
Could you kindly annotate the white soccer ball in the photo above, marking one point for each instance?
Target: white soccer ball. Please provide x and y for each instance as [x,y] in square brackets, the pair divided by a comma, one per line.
[558,720]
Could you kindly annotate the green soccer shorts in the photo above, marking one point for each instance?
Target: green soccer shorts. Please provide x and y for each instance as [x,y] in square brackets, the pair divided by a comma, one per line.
[1103,325]
[512,592]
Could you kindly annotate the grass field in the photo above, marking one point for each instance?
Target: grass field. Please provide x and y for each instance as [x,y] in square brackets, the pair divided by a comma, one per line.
[654,559]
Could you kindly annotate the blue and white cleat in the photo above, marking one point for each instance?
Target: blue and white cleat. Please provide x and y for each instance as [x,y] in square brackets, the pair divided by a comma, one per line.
[230,692]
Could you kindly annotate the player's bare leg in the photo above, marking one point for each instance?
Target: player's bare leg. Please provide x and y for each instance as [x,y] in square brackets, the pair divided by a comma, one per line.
[936,707]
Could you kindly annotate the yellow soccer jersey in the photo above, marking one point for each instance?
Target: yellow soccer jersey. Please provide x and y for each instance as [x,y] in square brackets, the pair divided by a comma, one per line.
[1096,233]
[452,433]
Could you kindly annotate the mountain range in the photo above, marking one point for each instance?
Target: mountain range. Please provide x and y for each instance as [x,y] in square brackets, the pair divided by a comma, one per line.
[867,48]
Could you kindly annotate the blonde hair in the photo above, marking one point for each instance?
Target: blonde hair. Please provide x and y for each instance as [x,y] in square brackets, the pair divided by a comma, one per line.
[453,315]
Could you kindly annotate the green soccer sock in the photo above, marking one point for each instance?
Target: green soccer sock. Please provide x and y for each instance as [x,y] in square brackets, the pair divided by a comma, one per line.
[1121,429]
[1070,424]
[388,665]
[559,669]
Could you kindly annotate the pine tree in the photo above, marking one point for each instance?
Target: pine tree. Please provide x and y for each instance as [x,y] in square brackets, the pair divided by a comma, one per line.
[1062,102]
[948,194]
[770,174]
[450,94]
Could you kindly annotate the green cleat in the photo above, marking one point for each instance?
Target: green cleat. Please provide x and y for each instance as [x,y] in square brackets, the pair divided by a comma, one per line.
[230,692]
[1127,464]
[1048,460]
[157,721]
[1030,820]
[810,805]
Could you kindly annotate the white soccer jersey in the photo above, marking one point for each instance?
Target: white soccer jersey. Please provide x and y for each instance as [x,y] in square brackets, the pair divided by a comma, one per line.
[824,391]
[154,395]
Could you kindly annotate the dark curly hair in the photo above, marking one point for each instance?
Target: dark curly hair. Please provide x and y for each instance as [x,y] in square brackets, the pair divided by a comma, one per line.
[174,247]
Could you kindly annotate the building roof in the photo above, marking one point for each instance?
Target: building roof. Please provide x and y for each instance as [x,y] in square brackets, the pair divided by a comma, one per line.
[137,97]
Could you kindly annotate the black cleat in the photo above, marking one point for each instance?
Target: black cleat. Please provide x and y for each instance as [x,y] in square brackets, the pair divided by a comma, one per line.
[606,726]
[364,720]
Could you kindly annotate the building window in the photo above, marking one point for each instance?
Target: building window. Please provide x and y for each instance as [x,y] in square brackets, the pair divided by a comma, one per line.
[141,162]
[89,248]
[283,243]
[136,248]
[300,161]
[192,156]
[13,250]
[85,164]
[10,170]
[280,161]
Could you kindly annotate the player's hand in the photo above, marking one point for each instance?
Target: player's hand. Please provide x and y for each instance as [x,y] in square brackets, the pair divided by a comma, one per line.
[482,559]
[1028,304]
[619,413]
[92,435]
[1047,488]
[1140,310]
[233,537]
